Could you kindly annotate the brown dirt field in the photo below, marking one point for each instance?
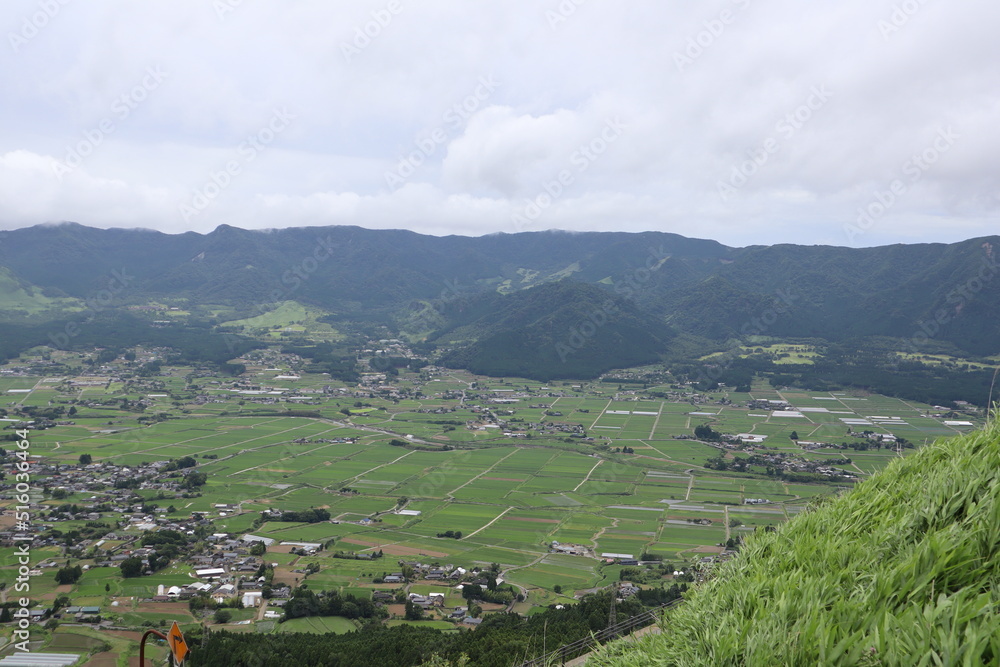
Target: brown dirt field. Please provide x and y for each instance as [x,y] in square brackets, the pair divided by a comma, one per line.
[164,607]
[397,609]
[286,576]
[103,660]
[360,543]
[7,520]
[279,549]
[126,634]
[503,479]
[64,589]
[517,518]
[396,550]
[708,550]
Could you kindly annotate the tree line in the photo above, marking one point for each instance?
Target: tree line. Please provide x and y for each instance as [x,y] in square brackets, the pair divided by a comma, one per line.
[500,640]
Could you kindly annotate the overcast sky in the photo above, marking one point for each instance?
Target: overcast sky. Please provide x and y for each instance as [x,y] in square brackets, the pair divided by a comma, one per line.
[857,122]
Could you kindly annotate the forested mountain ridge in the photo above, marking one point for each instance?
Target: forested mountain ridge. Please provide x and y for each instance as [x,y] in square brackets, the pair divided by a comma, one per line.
[479,299]
[558,330]
[327,265]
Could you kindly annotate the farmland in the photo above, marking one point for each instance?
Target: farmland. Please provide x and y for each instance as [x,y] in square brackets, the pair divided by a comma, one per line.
[551,485]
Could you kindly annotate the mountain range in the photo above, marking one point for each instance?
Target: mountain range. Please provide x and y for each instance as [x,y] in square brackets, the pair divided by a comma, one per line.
[574,304]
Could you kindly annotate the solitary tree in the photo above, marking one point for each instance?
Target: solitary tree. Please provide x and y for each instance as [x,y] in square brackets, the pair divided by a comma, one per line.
[131,567]
[69,574]
[414,612]
[706,432]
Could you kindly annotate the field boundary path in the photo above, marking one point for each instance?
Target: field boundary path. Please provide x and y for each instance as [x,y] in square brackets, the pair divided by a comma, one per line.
[450,494]
[585,479]
[656,422]
[601,414]
[597,535]
[497,518]
[524,591]
[382,465]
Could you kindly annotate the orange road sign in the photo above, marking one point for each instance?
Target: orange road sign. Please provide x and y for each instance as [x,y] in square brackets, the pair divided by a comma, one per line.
[177,644]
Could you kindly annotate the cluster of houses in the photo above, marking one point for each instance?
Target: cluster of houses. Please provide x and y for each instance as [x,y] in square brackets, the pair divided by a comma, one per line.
[431,573]
[707,561]
[489,419]
[105,482]
[249,592]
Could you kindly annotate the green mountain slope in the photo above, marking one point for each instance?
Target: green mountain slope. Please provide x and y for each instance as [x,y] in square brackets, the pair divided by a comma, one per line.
[329,266]
[558,330]
[904,570]
[21,300]
[948,294]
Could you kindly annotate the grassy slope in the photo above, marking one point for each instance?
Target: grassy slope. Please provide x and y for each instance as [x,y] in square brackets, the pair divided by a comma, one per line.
[14,297]
[901,571]
[287,314]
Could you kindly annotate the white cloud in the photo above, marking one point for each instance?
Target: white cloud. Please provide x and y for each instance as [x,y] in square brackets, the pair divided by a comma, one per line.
[699,88]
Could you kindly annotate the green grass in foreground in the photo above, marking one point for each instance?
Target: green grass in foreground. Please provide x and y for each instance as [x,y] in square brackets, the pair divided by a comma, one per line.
[901,571]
